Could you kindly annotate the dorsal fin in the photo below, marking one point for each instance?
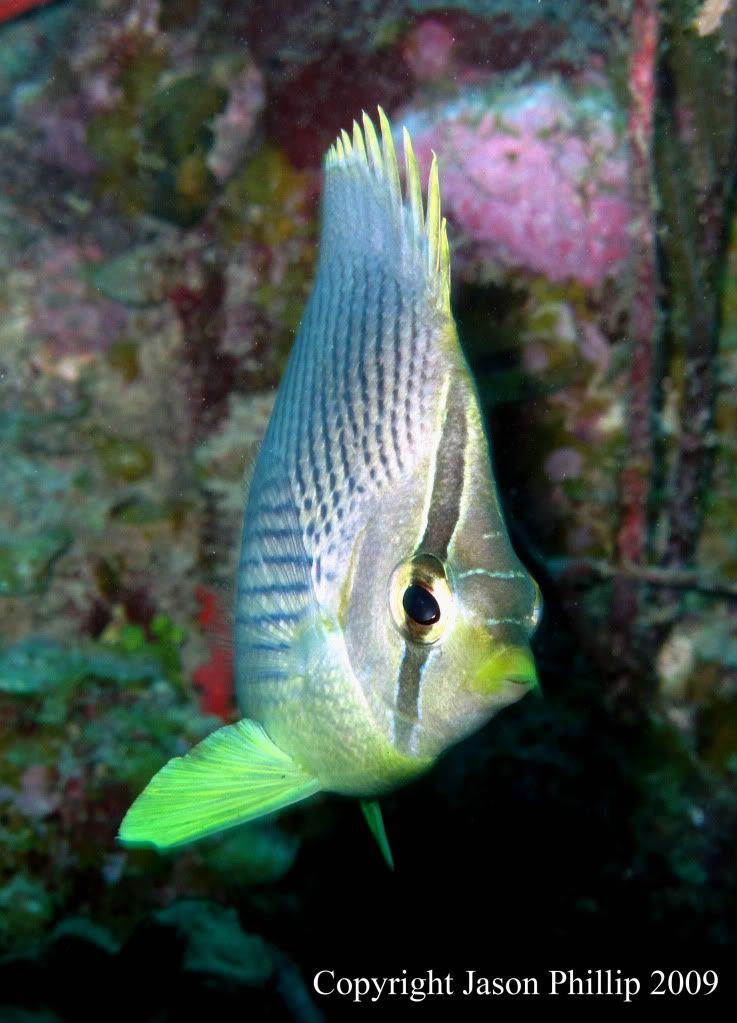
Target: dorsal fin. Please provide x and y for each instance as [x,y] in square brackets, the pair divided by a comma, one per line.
[364,207]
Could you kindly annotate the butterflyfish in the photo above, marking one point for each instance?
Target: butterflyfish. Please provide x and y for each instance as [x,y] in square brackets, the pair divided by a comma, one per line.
[381,613]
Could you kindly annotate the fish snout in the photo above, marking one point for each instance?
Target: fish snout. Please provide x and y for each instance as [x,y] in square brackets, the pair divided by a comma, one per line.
[506,663]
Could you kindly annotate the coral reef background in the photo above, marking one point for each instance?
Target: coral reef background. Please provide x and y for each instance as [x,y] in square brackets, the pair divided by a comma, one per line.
[159,200]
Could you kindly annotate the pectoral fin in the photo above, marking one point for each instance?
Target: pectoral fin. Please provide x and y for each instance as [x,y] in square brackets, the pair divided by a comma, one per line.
[234,775]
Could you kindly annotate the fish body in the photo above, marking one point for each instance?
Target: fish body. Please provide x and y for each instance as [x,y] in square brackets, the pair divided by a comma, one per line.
[381,611]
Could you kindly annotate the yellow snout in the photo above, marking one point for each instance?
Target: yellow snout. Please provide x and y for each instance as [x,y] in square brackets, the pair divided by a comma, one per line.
[506,664]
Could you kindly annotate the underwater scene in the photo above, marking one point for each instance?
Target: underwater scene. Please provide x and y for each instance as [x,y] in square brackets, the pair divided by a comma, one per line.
[368,507]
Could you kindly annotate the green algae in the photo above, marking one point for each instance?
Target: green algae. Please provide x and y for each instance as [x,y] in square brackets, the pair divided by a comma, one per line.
[153,146]
[260,201]
[175,14]
[20,427]
[98,742]
[288,296]
[177,120]
[123,357]
[258,853]
[99,719]
[80,929]
[184,193]
[112,138]
[26,908]
[37,664]
[140,74]
[177,128]
[162,642]
[133,278]
[123,460]
[140,510]
[215,944]
[26,562]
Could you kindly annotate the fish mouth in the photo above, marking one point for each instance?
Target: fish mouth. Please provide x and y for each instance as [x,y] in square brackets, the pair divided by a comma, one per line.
[510,665]
[501,678]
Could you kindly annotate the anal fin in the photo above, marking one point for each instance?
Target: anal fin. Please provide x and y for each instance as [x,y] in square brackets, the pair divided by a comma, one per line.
[234,775]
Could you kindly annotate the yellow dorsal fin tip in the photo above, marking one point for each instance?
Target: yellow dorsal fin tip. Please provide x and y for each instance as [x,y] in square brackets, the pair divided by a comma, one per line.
[372,145]
[358,143]
[414,186]
[391,168]
[433,216]
[362,148]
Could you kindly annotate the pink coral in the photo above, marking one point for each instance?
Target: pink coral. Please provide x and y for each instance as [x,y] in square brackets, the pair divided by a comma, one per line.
[69,314]
[37,799]
[62,143]
[427,50]
[563,464]
[234,127]
[536,176]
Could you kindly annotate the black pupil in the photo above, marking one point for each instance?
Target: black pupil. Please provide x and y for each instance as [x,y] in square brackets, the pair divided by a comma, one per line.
[420,605]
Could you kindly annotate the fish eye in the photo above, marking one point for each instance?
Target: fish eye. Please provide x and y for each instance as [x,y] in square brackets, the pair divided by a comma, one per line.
[420,605]
[420,598]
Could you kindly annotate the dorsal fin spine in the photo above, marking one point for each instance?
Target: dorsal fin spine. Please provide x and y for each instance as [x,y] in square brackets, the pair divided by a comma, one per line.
[391,167]
[433,217]
[424,232]
[414,187]
[358,143]
[372,145]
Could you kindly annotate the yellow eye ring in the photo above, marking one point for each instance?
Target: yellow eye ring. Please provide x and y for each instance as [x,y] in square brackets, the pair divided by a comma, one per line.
[420,598]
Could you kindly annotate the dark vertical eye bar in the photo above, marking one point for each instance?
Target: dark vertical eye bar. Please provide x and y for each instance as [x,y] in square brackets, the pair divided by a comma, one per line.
[450,470]
[442,519]
[410,679]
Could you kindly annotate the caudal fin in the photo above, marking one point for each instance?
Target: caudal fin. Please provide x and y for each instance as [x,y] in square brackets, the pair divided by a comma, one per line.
[234,775]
